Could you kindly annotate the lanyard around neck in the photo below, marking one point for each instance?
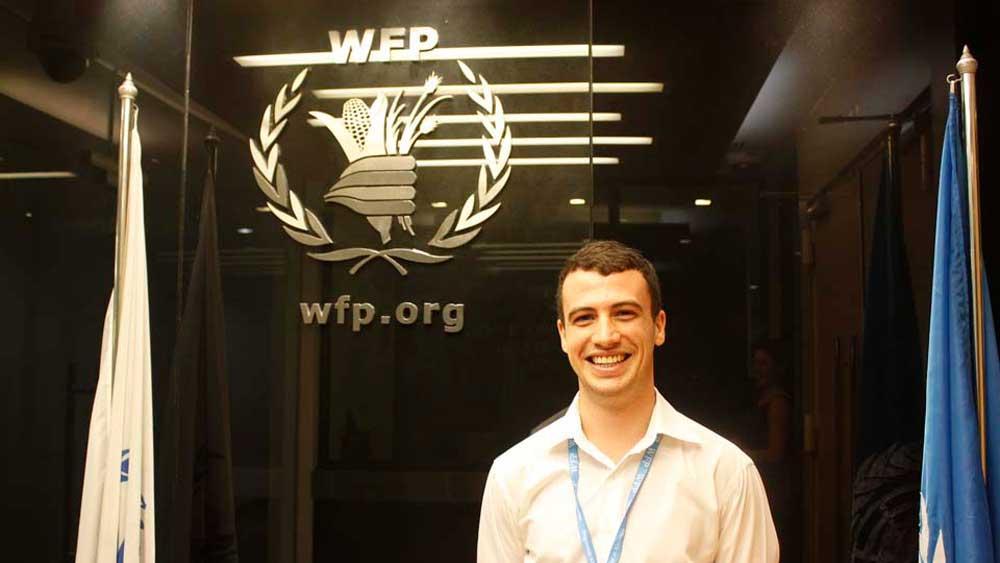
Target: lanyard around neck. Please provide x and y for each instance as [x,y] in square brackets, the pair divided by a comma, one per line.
[581,522]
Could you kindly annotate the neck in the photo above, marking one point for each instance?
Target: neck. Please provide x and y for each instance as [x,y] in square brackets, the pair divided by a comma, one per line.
[616,428]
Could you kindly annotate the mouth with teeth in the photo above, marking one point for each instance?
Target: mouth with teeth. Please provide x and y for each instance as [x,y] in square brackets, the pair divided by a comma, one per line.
[608,361]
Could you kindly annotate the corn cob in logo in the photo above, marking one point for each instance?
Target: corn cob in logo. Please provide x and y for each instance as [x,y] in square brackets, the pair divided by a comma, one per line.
[377,141]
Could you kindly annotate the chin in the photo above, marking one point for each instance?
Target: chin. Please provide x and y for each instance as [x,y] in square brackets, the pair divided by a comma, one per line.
[620,386]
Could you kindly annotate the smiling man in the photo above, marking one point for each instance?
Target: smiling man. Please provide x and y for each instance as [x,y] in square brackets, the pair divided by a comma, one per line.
[622,476]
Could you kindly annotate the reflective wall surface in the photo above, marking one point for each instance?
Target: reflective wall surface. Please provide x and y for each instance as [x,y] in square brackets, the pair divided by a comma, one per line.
[388,275]
[59,71]
[403,397]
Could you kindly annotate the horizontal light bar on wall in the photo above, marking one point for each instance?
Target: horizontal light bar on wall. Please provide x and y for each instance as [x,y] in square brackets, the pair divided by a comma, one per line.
[702,202]
[537,142]
[514,118]
[528,268]
[515,88]
[544,259]
[441,54]
[538,161]
[36,175]
[522,52]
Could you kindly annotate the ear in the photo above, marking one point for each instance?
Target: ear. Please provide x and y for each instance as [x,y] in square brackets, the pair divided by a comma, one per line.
[660,322]
[562,334]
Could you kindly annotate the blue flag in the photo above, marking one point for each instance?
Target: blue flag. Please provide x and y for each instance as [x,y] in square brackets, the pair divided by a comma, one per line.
[959,518]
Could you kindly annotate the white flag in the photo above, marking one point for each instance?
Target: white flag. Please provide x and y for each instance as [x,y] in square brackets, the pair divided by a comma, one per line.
[116,514]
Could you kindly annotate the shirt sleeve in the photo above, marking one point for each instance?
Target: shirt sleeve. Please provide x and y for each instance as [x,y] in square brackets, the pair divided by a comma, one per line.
[746,530]
[499,540]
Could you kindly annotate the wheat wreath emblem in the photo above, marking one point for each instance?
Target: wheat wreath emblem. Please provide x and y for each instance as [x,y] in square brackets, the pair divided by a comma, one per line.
[378,183]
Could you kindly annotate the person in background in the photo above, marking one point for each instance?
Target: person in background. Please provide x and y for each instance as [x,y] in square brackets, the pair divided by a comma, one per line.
[774,403]
[771,439]
[622,476]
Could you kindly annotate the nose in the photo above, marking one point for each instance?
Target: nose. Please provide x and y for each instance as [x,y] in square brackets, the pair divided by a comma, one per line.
[606,333]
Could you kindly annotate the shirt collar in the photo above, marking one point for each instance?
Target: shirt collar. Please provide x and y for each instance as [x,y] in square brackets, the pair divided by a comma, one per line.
[665,420]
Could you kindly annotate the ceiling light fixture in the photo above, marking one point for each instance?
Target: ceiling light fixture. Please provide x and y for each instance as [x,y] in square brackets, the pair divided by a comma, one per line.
[244,230]
[439,204]
[577,201]
[700,202]
[443,54]
[685,241]
[509,89]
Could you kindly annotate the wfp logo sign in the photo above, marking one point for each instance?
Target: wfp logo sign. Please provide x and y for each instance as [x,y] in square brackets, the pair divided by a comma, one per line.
[382,130]
[380,182]
[451,316]
[395,44]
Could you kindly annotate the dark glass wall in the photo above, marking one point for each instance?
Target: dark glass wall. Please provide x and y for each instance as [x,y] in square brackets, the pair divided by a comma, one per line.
[394,418]
[60,67]
[368,437]
[763,271]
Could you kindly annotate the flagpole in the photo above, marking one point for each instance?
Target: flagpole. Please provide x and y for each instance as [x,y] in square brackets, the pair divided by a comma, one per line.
[967,66]
[127,93]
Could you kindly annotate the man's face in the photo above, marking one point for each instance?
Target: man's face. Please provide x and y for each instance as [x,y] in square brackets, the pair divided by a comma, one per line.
[608,332]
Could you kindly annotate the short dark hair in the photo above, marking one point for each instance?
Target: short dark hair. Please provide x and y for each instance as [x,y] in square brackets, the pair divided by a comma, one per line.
[608,257]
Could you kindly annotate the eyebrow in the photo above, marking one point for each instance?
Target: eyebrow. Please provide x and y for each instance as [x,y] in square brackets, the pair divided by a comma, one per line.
[613,306]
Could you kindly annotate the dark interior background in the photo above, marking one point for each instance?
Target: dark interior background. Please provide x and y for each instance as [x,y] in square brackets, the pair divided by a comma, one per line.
[374,445]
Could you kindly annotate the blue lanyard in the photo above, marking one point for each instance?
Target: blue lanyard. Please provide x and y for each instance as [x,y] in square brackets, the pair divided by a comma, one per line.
[581,522]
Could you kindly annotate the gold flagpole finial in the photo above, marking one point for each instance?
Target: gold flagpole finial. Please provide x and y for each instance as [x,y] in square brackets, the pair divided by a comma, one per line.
[967,64]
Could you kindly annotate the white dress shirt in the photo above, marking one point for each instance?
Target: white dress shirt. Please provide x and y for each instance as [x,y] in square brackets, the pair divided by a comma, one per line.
[702,500]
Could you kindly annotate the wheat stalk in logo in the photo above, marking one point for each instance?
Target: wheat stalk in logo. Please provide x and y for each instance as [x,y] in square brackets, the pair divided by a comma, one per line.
[377,141]
[379,181]
[493,175]
[301,224]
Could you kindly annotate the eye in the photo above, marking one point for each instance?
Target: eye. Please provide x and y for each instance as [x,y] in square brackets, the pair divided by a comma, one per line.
[626,314]
[582,318]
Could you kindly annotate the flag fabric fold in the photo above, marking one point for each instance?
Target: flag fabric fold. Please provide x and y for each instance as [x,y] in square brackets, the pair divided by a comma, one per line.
[959,516]
[196,452]
[890,392]
[117,516]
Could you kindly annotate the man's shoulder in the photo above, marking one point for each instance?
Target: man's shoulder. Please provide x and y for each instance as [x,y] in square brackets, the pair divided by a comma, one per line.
[720,456]
[530,450]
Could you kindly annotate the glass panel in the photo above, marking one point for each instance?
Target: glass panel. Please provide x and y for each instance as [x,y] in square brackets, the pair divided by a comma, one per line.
[61,67]
[432,356]
[388,309]
[764,288]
